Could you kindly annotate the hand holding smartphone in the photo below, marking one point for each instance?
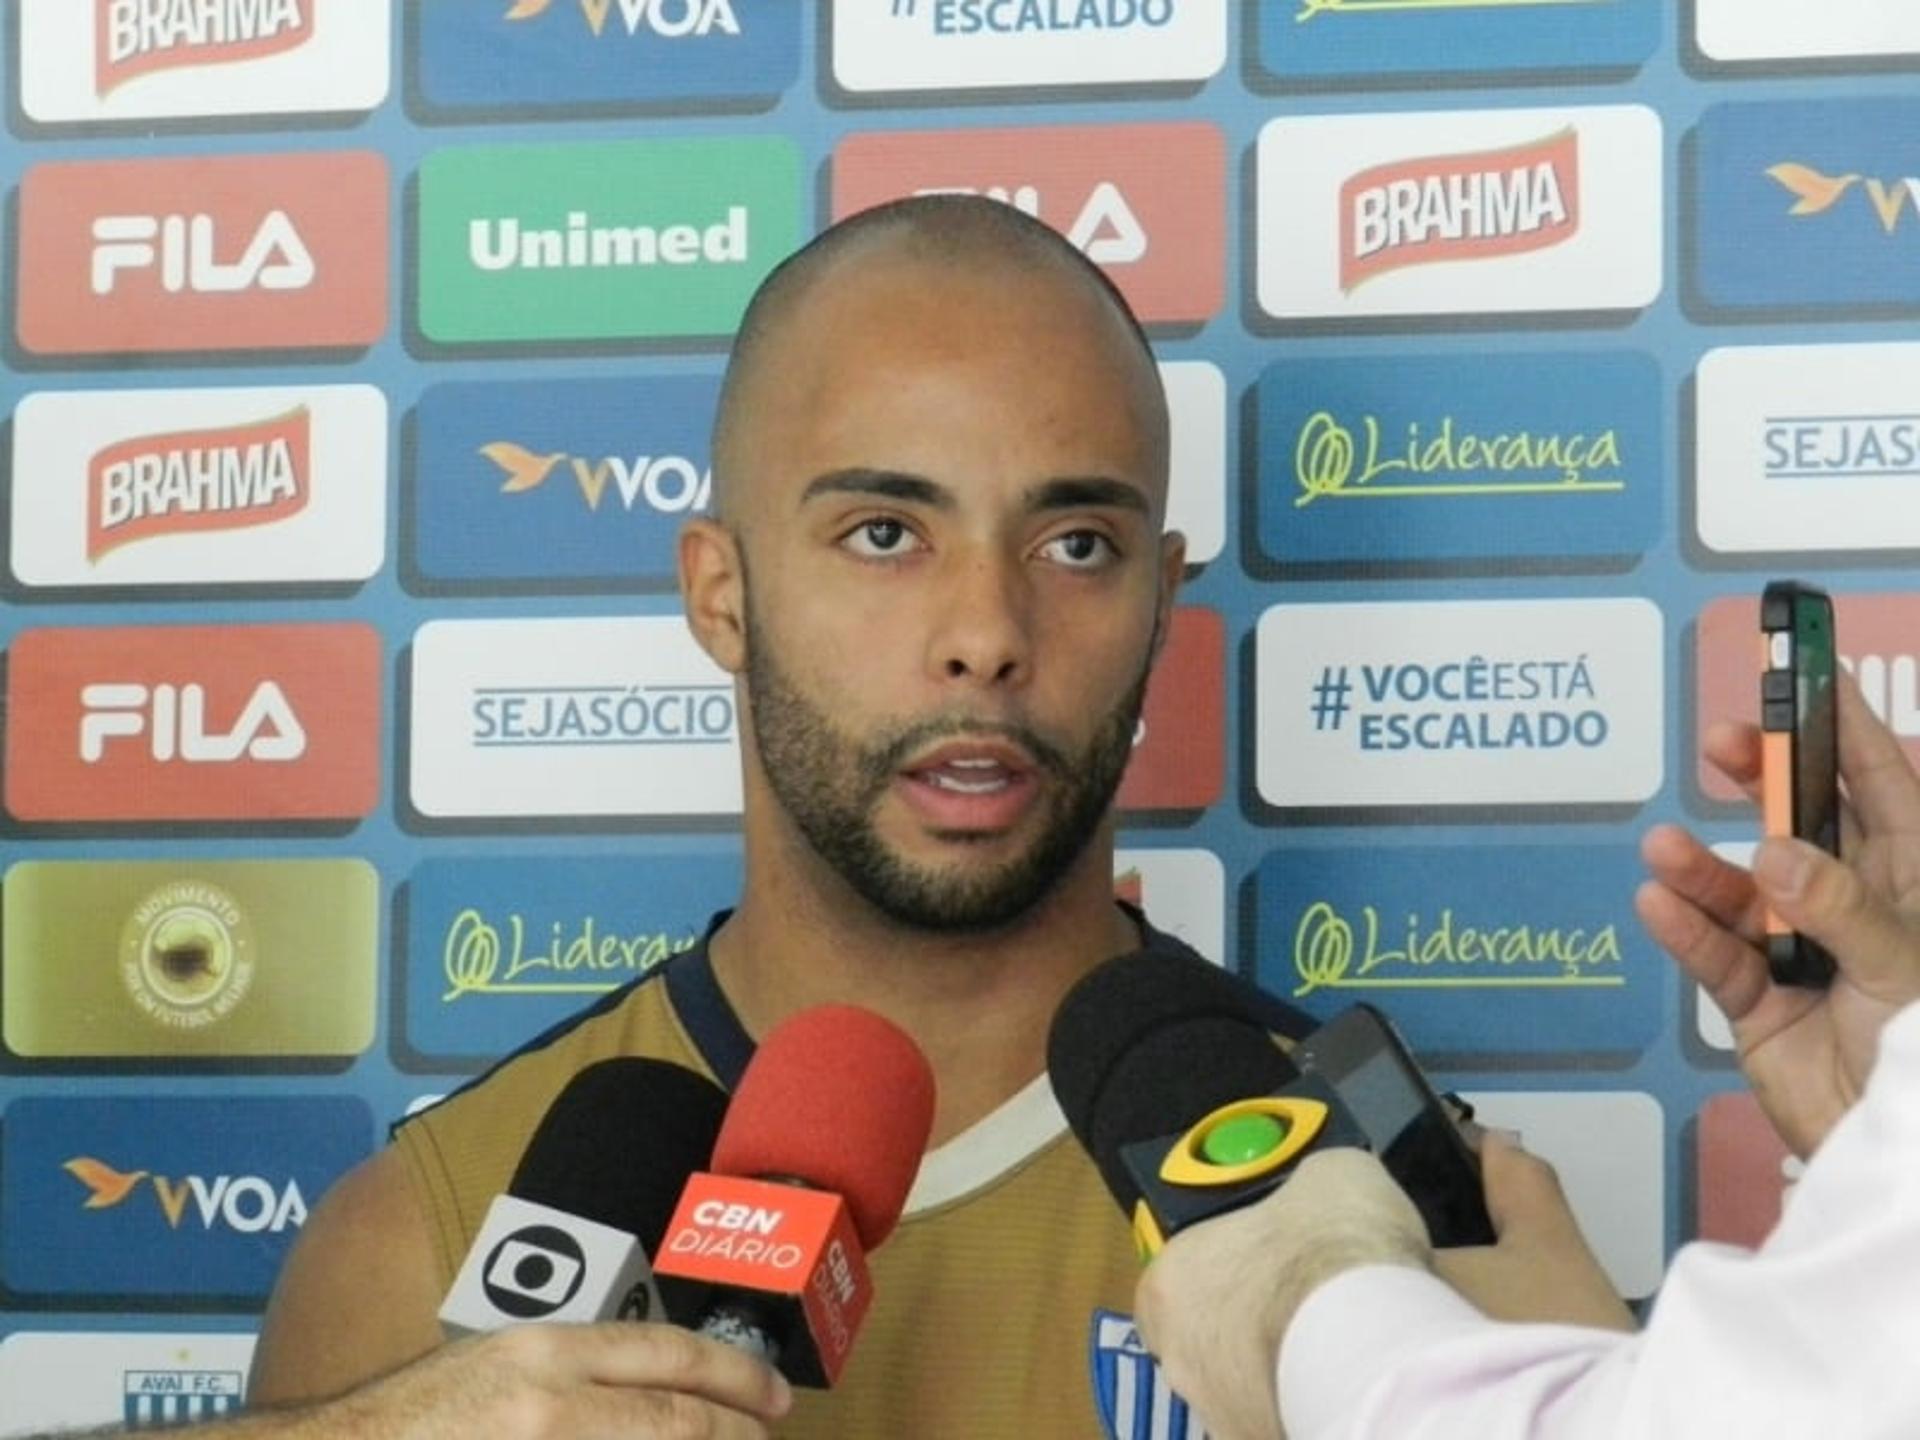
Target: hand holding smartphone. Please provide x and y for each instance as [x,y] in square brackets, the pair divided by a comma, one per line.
[1800,756]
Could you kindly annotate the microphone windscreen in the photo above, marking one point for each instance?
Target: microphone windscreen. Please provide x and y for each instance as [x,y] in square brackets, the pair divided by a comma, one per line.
[841,1100]
[1148,1043]
[618,1143]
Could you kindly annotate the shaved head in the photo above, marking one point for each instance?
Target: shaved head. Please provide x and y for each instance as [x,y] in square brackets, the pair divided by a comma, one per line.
[951,234]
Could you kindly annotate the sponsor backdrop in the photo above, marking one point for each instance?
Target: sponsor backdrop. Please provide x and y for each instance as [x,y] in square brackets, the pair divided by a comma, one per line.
[358,358]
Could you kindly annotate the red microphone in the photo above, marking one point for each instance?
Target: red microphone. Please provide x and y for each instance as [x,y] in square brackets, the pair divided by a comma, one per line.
[815,1157]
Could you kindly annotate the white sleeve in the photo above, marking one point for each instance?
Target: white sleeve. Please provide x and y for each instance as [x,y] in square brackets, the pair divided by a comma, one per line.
[1810,1336]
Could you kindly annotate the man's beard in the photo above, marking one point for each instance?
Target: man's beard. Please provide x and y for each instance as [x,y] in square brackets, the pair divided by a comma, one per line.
[830,784]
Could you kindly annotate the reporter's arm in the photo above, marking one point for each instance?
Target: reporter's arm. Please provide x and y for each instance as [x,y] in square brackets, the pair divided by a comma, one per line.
[615,1381]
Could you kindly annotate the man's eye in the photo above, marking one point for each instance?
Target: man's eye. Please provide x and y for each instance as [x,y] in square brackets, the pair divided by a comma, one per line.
[1081,549]
[879,538]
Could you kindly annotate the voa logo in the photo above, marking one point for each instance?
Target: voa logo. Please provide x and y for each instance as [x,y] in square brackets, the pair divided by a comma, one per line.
[1105,230]
[174,720]
[186,248]
[670,484]
[244,1204]
[669,19]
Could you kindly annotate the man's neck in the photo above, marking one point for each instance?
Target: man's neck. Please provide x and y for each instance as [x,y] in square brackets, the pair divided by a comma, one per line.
[978,1005]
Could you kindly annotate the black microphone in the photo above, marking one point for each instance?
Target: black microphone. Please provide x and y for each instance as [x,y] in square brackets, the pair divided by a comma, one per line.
[1168,1072]
[570,1237]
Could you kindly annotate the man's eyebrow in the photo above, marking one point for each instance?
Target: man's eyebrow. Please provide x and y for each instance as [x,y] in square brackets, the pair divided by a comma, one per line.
[888,484]
[1071,492]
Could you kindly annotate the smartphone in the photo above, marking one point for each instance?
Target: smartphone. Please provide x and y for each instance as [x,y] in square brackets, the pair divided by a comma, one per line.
[1800,751]
[1361,1054]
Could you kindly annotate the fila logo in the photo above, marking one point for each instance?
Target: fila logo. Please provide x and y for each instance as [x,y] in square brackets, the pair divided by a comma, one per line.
[670,19]
[174,718]
[184,247]
[246,1204]
[1106,229]
[1459,207]
[1815,193]
[670,484]
[139,36]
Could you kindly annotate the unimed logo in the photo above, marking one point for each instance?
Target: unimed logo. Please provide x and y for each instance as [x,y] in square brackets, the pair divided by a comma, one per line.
[199,487]
[626,239]
[244,722]
[1460,212]
[1147,203]
[105,60]
[1307,40]
[1180,748]
[204,253]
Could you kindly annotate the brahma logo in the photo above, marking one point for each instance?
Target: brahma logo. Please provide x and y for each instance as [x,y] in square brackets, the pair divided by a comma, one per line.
[238,252]
[198,480]
[1459,212]
[244,1204]
[199,487]
[1459,207]
[669,19]
[194,723]
[1146,202]
[118,60]
[975,44]
[1815,193]
[137,37]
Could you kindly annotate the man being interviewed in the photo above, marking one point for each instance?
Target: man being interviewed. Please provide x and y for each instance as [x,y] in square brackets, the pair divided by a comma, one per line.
[938,573]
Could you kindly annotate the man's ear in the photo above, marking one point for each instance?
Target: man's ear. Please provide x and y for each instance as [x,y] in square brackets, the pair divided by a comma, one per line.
[1173,570]
[713,590]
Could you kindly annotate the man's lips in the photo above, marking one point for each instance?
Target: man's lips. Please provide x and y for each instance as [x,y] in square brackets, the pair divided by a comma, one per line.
[970,785]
